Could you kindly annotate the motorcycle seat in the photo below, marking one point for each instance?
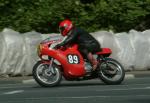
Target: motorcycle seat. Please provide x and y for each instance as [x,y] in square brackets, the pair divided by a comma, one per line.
[104,51]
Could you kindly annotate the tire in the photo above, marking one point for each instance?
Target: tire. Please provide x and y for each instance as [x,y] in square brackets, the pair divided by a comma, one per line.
[46,78]
[108,73]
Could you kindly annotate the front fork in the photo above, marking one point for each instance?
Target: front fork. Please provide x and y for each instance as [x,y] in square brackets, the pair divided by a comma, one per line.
[51,69]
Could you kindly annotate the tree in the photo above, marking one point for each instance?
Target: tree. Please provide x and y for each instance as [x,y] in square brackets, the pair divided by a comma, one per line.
[92,15]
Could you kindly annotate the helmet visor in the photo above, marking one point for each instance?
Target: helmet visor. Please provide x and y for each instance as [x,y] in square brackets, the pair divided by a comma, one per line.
[61,29]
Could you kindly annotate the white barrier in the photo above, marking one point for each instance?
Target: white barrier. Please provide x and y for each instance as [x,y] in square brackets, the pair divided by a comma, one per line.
[18,51]
[131,49]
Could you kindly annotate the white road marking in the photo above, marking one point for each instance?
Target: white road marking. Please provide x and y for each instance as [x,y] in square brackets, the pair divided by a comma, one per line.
[14,92]
[129,76]
[125,89]
[148,87]
[8,87]
[29,81]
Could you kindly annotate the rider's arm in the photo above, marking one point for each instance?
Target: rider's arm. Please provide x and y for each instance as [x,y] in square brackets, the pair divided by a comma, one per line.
[70,38]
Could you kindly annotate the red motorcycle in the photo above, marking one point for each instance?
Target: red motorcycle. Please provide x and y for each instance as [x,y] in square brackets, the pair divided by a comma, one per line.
[67,62]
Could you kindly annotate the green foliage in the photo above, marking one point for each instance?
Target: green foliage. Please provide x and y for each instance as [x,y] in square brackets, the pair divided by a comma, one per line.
[45,15]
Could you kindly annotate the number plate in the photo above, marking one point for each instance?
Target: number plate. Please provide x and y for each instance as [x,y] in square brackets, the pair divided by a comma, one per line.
[73,59]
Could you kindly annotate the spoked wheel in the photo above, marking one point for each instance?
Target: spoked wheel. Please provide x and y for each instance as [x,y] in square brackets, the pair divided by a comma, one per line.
[44,76]
[111,72]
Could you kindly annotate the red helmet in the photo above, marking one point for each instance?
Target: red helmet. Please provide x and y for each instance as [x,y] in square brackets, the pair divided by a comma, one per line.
[65,26]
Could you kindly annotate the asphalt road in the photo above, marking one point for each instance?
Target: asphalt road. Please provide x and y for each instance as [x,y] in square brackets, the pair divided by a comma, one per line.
[136,90]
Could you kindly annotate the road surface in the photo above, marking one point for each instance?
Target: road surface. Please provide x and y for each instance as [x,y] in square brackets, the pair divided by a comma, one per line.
[135,90]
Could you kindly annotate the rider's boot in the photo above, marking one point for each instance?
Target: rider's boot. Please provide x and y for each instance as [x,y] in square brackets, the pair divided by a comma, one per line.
[93,61]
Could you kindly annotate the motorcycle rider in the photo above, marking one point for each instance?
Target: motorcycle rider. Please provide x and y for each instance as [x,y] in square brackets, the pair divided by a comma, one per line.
[87,44]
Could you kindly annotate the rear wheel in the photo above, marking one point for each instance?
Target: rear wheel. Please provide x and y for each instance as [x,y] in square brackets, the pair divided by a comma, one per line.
[111,71]
[43,75]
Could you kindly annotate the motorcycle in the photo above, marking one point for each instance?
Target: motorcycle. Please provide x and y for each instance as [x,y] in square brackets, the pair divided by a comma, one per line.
[67,62]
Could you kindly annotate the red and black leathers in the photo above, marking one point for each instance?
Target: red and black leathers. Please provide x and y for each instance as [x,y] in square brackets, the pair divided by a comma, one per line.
[87,43]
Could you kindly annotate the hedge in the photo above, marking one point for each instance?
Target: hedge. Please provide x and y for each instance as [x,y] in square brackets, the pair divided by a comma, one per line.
[44,15]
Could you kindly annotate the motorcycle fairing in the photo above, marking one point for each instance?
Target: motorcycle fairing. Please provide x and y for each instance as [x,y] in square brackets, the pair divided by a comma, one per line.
[70,59]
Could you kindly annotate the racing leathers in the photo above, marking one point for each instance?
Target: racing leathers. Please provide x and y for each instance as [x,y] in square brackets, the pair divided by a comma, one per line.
[87,44]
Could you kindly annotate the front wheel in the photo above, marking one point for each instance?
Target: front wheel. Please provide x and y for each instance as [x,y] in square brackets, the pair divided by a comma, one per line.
[43,75]
[111,71]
